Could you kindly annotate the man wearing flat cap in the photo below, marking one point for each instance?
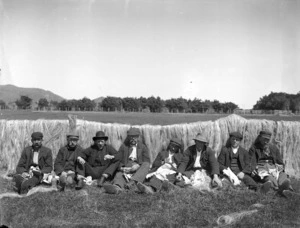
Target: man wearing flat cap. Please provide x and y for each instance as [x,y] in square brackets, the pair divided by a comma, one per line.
[197,157]
[35,163]
[66,161]
[134,164]
[234,162]
[164,169]
[267,165]
[97,161]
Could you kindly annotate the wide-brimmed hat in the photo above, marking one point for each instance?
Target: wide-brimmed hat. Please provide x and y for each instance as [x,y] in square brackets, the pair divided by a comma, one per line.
[37,135]
[133,131]
[100,135]
[201,138]
[265,134]
[236,134]
[176,141]
[73,135]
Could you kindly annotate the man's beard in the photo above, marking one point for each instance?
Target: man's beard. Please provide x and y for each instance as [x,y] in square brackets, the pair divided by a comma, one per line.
[36,146]
[100,147]
[133,142]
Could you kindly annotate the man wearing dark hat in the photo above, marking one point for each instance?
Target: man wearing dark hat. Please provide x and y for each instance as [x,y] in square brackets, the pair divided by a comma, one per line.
[234,158]
[164,168]
[134,164]
[97,161]
[197,157]
[35,161]
[66,161]
[266,164]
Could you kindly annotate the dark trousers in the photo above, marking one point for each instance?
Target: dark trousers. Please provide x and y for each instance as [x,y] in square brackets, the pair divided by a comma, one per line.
[156,183]
[249,182]
[96,171]
[138,176]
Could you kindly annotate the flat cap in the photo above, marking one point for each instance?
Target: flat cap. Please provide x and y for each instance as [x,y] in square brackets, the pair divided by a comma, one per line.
[37,135]
[72,135]
[236,134]
[176,141]
[265,134]
[133,131]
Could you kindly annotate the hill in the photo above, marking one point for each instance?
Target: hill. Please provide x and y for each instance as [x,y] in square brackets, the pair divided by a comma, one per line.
[11,93]
[98,100]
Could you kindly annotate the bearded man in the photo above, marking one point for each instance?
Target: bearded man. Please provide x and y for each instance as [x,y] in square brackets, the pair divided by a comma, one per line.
[35,163]
[134,164]
[97,161]
[66,161]
[267,164]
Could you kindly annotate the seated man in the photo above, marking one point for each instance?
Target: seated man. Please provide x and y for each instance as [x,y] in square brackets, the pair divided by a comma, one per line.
[134,164]
[97,161]
[66,161]
[234,162]
[198,157]
[35,164]
[267,164]
[164,168]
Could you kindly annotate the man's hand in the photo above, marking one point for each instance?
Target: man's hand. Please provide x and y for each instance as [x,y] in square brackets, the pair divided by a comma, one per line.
[25,174]
[108,157]
[240,175]
[217,180]
[135,167]
[125,169]
[81,160]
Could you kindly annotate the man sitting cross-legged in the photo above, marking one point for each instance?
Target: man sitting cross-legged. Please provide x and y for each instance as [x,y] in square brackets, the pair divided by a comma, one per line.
[199,157]
[134,164]
[66,161]
[234,162]
[35,164]
[164,169]
[97,161]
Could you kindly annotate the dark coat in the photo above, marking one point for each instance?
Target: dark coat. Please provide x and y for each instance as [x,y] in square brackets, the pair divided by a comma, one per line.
[256,152]
[208,160]
[141,151]
[160,159]
[66,159]
[45,160]
[224,159]
[95,157]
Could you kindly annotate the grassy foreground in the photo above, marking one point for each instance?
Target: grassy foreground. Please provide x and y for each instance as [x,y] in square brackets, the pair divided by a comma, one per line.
[177,208]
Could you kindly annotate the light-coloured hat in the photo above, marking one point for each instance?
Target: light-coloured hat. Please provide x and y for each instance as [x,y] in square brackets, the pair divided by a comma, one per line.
[201,138]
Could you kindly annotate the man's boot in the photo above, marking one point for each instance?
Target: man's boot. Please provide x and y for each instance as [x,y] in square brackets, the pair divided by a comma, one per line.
[79,184]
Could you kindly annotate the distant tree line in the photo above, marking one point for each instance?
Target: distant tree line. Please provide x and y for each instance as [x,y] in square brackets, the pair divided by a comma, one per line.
[128,104]
[279,101]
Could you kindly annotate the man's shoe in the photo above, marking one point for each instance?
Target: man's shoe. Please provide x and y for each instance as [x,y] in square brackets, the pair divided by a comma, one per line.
[100,181]
[287,193]
[284,186]
[144,188]
[167,186]
[79,184]
[265,187]
[112,188]
[131,186]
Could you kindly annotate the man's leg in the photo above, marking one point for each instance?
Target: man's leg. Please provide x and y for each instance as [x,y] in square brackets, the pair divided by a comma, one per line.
[141,173]
[250,183]
[29,184]
[284,182]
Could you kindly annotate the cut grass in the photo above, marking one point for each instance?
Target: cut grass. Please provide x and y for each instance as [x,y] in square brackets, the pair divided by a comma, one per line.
[177,208]
[132,118]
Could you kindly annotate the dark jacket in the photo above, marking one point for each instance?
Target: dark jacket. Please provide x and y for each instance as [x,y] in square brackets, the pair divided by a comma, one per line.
[224,159]
[45,160]
[141,151]
[66,159]
[160,160]
[95,157]
[208,160]
[256,153]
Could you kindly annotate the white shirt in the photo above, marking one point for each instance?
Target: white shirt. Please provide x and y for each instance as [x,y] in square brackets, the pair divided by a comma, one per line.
[197,161]
[235,150]
[133,155]
[36,157]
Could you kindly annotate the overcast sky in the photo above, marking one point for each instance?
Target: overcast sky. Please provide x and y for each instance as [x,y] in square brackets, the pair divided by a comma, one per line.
[229,50]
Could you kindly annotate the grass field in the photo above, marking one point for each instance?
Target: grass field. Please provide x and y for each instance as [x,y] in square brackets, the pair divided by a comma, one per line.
[132,118]
[176,208]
